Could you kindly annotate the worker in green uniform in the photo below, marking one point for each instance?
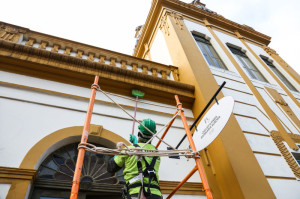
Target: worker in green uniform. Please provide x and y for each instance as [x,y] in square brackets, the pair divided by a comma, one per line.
[140,173]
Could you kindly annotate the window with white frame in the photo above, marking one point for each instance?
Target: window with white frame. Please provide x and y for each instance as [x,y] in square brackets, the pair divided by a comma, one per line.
[278,73]
[209,52]
[249,67]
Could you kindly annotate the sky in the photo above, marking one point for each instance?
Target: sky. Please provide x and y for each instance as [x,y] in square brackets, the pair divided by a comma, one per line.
[111,24]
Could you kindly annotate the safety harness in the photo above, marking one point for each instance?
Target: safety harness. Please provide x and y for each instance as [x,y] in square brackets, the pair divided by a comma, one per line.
[148,172]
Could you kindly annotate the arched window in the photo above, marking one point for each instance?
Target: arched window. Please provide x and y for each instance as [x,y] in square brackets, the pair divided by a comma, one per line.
[55,175]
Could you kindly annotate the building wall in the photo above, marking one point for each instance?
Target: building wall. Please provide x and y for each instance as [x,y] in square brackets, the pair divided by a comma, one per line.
[251,116]
[259,51]
[4,188]
[33,108]
[159,50]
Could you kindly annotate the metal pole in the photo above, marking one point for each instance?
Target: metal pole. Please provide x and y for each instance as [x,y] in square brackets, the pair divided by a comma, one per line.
[182,182]
[167,129]
[136,103]
[193,147]
[84,137]
[202,112]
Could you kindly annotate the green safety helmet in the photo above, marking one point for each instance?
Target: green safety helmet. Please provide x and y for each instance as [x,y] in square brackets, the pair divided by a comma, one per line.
[150,124]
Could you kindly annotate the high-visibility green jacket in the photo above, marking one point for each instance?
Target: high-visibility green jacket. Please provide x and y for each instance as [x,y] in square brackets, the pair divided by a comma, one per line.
[131,170]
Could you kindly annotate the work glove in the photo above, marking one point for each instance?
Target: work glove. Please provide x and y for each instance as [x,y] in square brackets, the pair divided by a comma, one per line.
[133,139]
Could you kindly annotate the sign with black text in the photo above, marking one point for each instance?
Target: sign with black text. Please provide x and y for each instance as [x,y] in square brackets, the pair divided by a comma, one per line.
[213,122]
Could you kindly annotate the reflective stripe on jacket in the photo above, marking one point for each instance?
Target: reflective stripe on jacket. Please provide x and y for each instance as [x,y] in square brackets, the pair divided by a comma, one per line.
[129,163]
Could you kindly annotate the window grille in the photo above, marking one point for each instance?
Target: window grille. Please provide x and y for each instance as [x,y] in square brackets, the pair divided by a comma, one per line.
[249,67]
[278,73]
[209,52]
[60,165]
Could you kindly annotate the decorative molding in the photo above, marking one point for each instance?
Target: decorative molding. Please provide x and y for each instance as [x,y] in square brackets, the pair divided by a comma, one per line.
[188,188]
[164,74]
[145,70]
[154,72]
[164,26]
[62,184]
[178,19]
[134,68]
[56,48]
[68,51]
[269,50]
[88,53]
[35,153]
[235,46]
[17,173]
[124,64]
[113,61]
[217,19]
[176,75]
[11,33]
[276,136]
[283,106]
[194,32]
[91,56]
[295,137]
[96,130]
[43,45]
[64,68]
[79,53]
[102,59]
[30,42]
[19,178]
[189,10]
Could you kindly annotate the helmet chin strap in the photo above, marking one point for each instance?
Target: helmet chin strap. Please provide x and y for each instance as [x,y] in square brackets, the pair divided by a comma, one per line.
[142,138]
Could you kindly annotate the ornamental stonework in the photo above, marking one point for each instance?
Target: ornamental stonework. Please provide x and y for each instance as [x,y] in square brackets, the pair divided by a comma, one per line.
[11,33]
[164,26]
[178,19]
[285,152]
[270,51]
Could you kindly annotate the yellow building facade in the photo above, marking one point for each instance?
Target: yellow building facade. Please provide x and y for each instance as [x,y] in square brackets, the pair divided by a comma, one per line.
[183,49]
[210,49]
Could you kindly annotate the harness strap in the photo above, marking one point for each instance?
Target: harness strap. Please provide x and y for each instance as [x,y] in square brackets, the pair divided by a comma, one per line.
[140,184]
[148,172]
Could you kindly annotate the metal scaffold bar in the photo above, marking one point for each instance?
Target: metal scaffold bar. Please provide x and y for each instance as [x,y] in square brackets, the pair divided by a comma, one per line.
[84,137]
[84,146]
[167,129]
[182,182]
[193,147]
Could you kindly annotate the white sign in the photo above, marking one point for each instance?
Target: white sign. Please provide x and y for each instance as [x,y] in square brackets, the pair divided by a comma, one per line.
[213,122]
